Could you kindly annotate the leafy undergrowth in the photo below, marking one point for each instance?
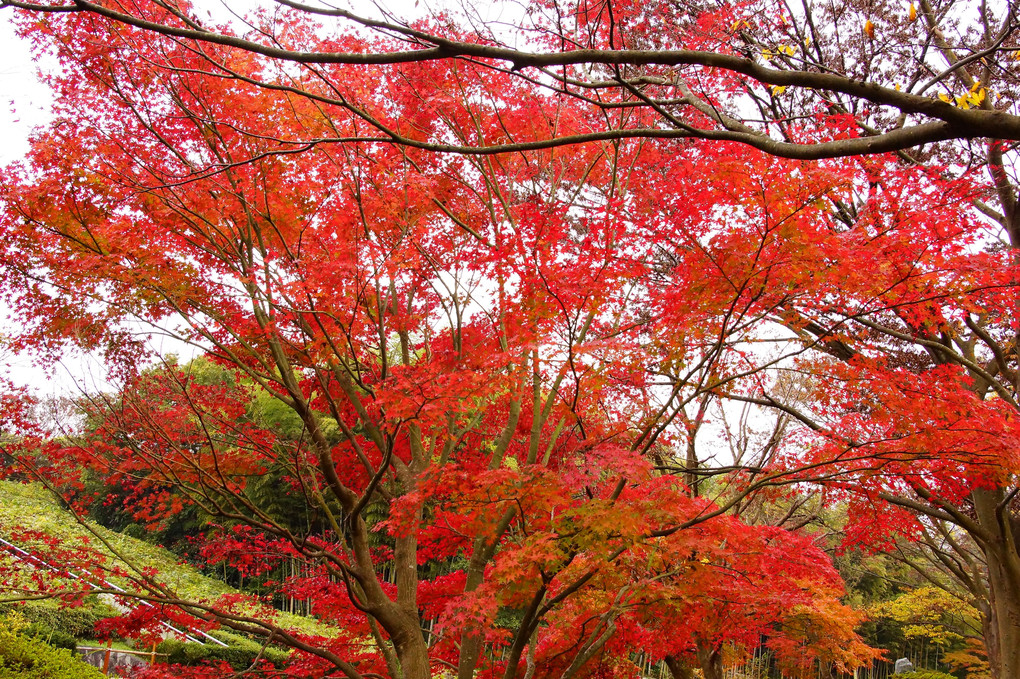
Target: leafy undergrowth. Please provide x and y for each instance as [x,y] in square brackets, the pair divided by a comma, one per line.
[24,657]
[29,514]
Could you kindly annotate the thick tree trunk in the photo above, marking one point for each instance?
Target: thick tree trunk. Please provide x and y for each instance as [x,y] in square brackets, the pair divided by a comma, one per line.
[678,669]
[711,661]
[412,651]
[1002,626]
[409,642]
[1002,629]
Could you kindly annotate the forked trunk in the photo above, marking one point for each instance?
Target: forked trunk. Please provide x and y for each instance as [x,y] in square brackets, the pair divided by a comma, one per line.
[678,669]
[711,661]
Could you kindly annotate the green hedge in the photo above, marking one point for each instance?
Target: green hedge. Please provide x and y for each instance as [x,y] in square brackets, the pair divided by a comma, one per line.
[22,657]
[77,622]
[240,654]
[52,637]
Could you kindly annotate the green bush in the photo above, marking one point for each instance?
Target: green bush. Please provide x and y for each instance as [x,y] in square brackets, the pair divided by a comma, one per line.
[172,648]
[241,658]
[51,636]
[77,622]
[195,653]
[239,655]
[22,657]
[133,530]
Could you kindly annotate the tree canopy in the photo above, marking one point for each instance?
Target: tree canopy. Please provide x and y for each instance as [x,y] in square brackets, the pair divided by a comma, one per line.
[546,318]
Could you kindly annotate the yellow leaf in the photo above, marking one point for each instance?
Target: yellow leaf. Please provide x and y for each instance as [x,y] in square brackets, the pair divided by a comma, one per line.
[945,97]
[869,28]
[913,12]
[778,89]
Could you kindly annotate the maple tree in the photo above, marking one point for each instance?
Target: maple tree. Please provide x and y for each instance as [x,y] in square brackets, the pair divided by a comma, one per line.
[505,356]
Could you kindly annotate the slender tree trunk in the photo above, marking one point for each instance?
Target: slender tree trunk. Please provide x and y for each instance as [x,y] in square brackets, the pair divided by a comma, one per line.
[482,552]
[471,640]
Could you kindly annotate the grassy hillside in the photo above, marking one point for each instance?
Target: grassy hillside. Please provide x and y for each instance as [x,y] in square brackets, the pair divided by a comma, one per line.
[34,508]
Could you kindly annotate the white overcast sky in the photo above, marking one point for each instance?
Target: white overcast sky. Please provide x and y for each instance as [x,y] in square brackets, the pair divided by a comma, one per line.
[24,101]
[24,104]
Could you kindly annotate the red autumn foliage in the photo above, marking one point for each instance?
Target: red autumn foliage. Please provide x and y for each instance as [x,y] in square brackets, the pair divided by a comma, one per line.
[504,378]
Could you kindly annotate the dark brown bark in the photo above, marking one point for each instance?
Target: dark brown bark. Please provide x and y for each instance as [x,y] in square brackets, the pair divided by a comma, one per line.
[710,660]
[939,120]
[677,668]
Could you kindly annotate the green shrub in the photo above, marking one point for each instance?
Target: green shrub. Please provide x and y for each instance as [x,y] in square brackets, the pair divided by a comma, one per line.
[195,653]
[77,622]
[22,657]
[173,650]
[133,530]
[51,636]
[241,658]
[183,652]
[240,654]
